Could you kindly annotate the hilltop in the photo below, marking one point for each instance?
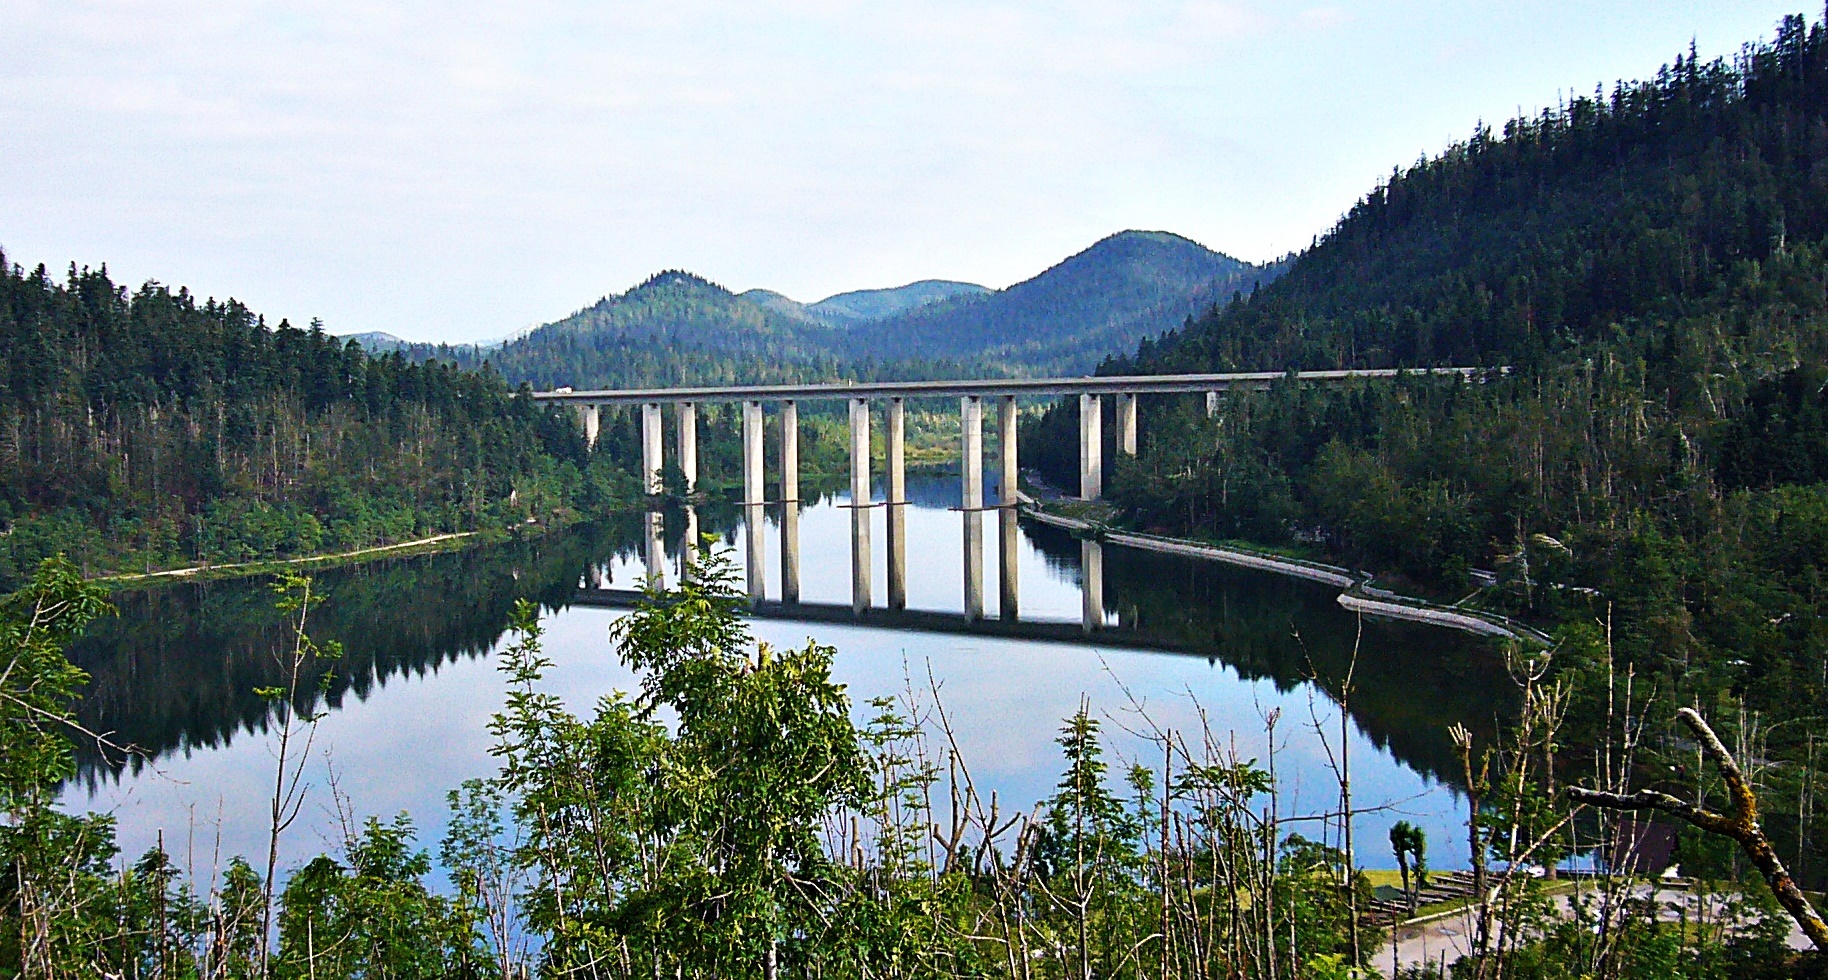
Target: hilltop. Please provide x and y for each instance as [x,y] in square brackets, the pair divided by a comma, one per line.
[680,328]
[1652,263]
[1092,305]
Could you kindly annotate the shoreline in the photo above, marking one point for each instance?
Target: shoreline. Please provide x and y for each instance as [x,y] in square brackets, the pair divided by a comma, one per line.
[419,546]
[1356,593]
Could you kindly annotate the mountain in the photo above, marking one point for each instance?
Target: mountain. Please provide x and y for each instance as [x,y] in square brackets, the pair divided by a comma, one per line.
[1652,264]
[674,328]
[1099,302]
[679,328]
[877,304]
[375,341]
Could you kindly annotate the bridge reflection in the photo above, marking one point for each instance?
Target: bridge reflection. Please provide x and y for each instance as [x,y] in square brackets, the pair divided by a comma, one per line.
[1122,636]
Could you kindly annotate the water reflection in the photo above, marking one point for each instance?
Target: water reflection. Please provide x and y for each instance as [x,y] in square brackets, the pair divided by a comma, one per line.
[174,674]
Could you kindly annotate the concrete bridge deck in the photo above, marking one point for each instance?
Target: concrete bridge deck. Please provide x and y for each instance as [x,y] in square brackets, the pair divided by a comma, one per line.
[1148,384]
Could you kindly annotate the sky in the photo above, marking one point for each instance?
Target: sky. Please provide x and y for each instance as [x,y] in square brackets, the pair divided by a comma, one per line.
[461,170]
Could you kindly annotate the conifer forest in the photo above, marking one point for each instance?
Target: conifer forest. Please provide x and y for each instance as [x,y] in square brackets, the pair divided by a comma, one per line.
[1635,476]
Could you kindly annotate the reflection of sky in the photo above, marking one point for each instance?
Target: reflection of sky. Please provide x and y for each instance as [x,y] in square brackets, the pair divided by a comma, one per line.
[409,742]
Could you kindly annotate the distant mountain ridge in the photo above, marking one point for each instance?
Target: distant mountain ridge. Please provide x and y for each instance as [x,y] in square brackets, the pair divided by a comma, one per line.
[680,328]
[1095,304]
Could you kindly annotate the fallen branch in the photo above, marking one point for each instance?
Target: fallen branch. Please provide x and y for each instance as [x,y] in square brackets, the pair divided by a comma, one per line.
[1741,824]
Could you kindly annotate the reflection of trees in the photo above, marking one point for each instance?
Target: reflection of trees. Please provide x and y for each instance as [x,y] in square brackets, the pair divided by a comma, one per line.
[179,666]
[1412,681]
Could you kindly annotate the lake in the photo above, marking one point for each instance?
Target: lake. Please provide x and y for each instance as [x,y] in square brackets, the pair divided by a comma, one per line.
[406,708]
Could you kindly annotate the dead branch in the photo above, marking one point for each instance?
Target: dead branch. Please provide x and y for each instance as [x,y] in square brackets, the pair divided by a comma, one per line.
[1741,824]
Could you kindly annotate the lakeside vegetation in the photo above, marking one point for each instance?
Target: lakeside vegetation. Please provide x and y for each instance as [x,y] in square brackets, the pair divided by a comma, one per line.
[1652,264]
[1648,480]
[759,831]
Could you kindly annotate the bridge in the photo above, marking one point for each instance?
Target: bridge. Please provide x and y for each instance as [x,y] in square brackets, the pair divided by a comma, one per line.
[972,395]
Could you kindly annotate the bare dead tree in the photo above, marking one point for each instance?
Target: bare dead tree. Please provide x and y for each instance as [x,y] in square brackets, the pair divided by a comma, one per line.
[1740,825]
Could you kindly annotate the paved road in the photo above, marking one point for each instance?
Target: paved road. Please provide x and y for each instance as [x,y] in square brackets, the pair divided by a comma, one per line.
[1446,940]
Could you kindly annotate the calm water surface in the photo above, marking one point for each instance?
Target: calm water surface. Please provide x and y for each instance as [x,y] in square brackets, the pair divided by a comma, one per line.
[410,700]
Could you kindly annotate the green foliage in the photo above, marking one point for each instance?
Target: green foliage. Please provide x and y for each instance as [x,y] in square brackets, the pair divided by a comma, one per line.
[37,682]
[374,915]
[147,428]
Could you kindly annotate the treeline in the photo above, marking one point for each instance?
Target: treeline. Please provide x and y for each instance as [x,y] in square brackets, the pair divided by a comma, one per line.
[1652,267]
[762,831]
[677,329]
[148,429]
[1124,288]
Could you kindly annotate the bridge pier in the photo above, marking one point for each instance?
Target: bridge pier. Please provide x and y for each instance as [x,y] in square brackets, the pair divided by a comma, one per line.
[790,502]
[897,517]
[687,422]
[860,504]
[752,499]
[1007,497]
[1212,404]
[592,417]
[1126,424]
[1091,447]
[971,469]
[650,448]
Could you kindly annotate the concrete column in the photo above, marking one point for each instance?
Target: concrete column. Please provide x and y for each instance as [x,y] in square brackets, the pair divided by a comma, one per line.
[1010,475]
[592,417]
[752,453]
[860,503]
[1091,585]
[650,447]
[1126,424]
[790,452]
[790,502]
[1091,447]
[971,469]
[753,521]
[897,510]
[971,450]
[1008,550]
[1212,404]
[688,444]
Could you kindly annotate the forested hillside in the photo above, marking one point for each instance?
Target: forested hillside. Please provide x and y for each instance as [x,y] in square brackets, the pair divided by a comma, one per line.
[677,328]
[175,431]
[1127,287]
[1653,264]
